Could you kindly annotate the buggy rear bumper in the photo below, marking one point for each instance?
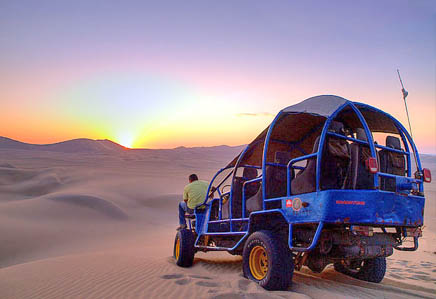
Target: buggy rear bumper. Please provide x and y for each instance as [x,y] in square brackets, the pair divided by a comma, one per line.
[354,207]
[365,207]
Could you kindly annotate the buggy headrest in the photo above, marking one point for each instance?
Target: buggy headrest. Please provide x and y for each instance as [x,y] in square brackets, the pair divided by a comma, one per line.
[361,135]
[282,157]
[337,127]
[393,142]
[339,148]
[249,173]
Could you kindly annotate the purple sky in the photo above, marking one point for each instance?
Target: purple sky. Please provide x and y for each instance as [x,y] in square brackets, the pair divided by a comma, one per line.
[258,56]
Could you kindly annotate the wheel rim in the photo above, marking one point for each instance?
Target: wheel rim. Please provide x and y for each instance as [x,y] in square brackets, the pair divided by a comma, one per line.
[258,262]
[177,249]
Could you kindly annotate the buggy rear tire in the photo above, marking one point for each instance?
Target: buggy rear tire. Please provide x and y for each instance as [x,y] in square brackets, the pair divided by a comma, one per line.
[268,261]
[372,270]
[184,248]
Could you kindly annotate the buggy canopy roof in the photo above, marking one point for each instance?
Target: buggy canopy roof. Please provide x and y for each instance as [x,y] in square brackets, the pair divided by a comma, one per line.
[323,105]
[296,127]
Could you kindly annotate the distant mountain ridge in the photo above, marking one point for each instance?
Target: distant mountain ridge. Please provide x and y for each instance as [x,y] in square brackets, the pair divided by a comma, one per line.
[85,145]
[69,146]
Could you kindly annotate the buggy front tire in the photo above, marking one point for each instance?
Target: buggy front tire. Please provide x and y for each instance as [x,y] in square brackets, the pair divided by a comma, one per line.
[372,270]
[184,248]
[268,261]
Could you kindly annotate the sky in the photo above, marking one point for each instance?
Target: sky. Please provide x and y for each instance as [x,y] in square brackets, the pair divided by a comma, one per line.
[164,74]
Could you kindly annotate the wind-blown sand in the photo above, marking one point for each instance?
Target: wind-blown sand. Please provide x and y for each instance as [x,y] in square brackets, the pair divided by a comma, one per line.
[102,225]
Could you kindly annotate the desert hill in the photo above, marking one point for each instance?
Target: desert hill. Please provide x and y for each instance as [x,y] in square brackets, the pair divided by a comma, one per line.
[105,146]
[70,146]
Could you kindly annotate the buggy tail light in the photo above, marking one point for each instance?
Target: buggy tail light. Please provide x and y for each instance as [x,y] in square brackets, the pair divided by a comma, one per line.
[372,165]
[427,175]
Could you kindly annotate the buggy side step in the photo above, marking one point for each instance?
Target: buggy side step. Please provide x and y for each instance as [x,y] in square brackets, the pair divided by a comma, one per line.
[240,235]
[314,241]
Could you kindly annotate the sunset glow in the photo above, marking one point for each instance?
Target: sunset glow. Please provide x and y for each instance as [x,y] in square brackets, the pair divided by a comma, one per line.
[125,139]
[168,81]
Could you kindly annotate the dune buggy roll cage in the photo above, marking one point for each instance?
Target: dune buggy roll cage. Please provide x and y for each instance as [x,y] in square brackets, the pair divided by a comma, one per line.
[355,106]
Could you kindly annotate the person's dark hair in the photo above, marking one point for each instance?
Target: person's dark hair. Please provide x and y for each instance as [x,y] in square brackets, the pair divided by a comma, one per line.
[193,177]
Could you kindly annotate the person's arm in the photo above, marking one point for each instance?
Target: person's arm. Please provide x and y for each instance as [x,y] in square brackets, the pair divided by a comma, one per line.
[185,195]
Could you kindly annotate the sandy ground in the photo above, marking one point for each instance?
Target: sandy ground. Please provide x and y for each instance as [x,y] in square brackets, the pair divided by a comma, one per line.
[103,226]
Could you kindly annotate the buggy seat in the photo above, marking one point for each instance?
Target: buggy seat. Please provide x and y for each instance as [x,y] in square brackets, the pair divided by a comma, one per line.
[276,181]
[392,163]
[335,160]
[361,178]
[305,181]
[251,189]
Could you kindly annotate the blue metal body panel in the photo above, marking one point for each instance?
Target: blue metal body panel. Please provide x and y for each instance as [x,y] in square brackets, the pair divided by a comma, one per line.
[372,207]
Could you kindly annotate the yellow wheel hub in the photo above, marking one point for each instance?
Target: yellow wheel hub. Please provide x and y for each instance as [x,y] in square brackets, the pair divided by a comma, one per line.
[258,262]
[177,250]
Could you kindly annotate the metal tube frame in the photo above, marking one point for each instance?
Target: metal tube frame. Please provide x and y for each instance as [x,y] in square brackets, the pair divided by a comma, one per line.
[402,131]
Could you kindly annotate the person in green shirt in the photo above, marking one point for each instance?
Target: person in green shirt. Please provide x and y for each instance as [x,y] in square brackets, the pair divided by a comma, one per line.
[194,194]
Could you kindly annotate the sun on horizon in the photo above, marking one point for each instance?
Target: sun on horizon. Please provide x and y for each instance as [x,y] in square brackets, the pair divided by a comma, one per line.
[126,139]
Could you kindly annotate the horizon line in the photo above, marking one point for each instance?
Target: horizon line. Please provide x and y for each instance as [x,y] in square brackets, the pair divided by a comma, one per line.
[125,147]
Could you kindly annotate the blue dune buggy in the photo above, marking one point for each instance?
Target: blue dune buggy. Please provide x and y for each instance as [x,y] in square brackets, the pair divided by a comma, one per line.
[330,181]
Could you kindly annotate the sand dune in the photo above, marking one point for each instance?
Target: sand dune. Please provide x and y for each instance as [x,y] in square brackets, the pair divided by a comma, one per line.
[98,204]
[29,183]
[87,225]
[84,145]
[70,146]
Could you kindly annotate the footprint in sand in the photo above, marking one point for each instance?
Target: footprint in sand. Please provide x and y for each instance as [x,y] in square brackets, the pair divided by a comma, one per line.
[395,270]
[182,281]
[397,276]
[420,272]
[200,277]
[180,278]
[421,277]
[246,295]
[426,264]
[172,276]
[207,284]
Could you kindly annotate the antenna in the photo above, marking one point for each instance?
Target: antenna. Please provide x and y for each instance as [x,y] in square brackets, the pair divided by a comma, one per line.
[405,94]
